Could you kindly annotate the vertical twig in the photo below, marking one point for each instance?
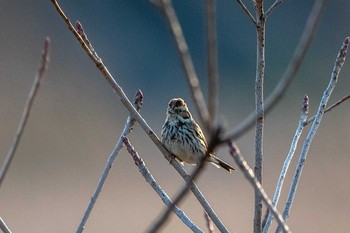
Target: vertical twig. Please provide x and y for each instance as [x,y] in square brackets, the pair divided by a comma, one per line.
[308,140]
[259,108]
[136,115]
[289,74]
[212,61]
[249,174]
[149,178]
[300,127]
[127,128]
[45,53]
[186,60]
[4,227]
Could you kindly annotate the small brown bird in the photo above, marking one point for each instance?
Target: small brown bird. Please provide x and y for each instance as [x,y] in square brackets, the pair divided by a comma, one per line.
[183,137]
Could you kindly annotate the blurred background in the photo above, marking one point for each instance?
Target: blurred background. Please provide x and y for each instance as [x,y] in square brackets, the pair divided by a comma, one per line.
[77,119]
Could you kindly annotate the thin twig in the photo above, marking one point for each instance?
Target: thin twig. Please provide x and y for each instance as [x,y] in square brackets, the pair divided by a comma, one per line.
[288,76]
[4,227]
[186,60]
[300,127]
[190,180]
[259,108]
[272,7]
[127,128]
[213,77]
[249,174]
[128,105]
[308,140]
[149,178]
[245,9]
[45,54]
[330,108]
[83,35]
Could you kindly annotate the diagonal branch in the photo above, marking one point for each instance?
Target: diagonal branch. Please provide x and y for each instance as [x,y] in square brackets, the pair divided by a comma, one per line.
[300,127]
[340,60]
[4,227]
[249,174]
[288,76]
[245,9]
[272,7]
[330,108]
[27,108]
[127,128]
[149,178]
[135,114]
[190,181]
[186,60]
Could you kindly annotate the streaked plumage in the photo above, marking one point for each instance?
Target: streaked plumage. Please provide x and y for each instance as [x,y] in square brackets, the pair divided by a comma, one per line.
[182,136]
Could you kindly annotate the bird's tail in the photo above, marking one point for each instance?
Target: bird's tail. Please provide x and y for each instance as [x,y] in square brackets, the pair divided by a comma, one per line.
[220,163]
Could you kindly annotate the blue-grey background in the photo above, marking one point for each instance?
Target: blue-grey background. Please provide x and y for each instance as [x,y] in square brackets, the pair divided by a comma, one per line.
[76,119]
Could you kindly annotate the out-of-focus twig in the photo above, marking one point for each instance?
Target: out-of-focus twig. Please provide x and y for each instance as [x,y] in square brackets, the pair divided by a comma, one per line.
[128,105]
[213,76]
[127,128]
[4,227]
[186,60]
[45,54]
[339,62]
[149,178]
[189,182]
[288,76]
[249,174]
[300,127]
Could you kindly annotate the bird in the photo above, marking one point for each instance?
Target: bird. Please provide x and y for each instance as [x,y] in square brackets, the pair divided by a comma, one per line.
[184,138]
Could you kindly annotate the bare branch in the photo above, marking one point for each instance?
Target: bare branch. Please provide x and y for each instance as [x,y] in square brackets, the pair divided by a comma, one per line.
[272,7]
[83,35]
[127,128]
[27,108]
[4,227]
[186,60]
[245,9]
[213,78]
[288,76]
[119,91]
[189,182]
[249,174]
[149,178]
[308,140]
[300,127]
[330,108]
[259,108]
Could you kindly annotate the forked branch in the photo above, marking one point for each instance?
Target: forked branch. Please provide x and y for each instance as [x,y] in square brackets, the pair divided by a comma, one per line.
[135,114]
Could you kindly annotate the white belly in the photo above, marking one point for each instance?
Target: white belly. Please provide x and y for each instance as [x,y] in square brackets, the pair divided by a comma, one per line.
[183,152]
